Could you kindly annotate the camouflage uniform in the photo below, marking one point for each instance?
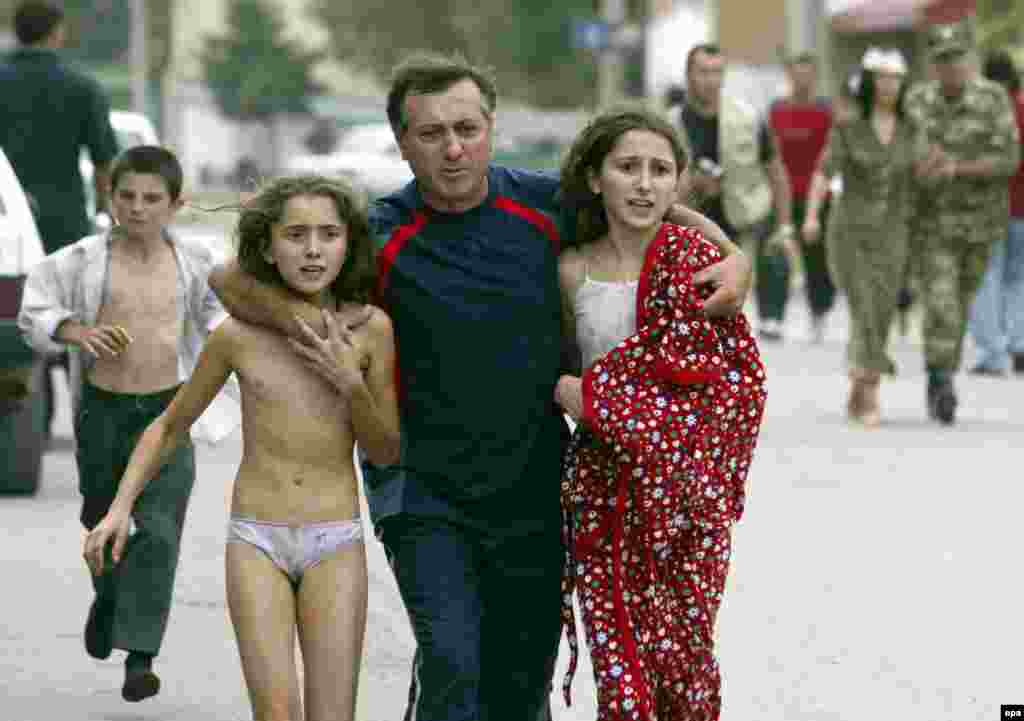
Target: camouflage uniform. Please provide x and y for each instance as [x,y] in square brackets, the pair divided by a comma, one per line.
[959,219]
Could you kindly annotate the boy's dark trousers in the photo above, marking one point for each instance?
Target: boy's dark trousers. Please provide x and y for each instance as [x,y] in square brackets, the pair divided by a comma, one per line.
[771,272]
[773,269]
[821,291]
[485,610]
[107,426]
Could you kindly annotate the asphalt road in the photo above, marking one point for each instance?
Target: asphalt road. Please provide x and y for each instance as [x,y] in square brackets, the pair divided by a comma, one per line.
[873,575]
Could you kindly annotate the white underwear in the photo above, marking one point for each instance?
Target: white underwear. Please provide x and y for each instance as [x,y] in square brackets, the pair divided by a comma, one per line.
[295,549]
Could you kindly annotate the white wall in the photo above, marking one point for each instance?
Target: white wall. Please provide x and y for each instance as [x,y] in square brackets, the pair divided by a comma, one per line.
[757,85]
[669,38]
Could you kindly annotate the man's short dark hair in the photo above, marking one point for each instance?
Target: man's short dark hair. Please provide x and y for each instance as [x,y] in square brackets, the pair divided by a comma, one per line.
[425,73]
[34,20]
[706,48]
[151,160]
[1000,68]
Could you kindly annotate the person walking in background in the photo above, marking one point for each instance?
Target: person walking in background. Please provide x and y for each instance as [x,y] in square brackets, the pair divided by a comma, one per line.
[49,114]
[800,125]
[868,247]
[997,314]
[738,179]
[648,522]
[963,200]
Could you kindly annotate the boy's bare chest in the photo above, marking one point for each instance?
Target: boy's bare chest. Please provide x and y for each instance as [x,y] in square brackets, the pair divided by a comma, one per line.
[144,298]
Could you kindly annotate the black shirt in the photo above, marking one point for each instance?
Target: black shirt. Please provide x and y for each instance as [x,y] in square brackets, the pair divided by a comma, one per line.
[48,114]
[702,132]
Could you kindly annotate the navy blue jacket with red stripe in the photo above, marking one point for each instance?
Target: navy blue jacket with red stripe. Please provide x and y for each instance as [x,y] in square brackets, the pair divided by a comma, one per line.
[476,309]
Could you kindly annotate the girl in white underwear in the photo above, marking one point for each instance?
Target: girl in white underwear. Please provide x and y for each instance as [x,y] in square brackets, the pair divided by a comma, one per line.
[295,559]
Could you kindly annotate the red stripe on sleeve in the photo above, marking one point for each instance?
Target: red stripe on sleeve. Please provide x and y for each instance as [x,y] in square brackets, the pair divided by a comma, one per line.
[385,259]
[532,216]
[391,249]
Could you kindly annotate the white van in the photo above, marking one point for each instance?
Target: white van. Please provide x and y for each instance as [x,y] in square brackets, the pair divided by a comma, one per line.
[23,411]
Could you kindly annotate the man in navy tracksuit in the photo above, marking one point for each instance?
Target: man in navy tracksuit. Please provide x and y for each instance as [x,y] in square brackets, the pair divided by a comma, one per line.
[469,516]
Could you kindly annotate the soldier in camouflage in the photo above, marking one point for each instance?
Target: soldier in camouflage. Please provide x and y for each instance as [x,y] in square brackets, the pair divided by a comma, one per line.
[963,199]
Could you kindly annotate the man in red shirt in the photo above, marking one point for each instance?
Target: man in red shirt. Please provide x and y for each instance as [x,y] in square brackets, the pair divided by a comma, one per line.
[801,124]
[997,314]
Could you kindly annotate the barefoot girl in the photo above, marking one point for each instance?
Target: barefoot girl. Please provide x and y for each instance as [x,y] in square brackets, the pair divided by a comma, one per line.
[295,558]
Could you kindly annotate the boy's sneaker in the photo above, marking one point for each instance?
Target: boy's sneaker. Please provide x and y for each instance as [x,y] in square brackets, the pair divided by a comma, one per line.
[139,684]
[139,680]
[99,627]
[1018,362]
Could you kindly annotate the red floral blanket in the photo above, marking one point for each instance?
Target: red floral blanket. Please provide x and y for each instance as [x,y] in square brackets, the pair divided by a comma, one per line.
[653,482]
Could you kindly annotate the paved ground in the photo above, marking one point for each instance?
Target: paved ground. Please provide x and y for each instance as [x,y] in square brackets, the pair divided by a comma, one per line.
[873,577]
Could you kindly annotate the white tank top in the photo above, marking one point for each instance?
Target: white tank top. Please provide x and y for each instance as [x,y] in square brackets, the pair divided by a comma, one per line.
[605,314]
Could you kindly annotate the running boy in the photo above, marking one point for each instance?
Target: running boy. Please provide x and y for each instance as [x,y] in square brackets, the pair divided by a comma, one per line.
[295,557]
[134,307]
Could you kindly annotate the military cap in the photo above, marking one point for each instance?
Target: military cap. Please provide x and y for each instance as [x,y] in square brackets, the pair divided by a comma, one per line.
[947,40]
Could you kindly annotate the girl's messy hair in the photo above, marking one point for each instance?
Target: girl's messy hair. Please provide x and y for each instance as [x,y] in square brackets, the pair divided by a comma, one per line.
[587,155]
[356,280]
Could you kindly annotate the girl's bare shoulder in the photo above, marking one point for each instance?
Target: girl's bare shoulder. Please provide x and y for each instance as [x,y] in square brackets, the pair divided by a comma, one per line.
[235,332]
[572,268]
[225,336]
[240,342]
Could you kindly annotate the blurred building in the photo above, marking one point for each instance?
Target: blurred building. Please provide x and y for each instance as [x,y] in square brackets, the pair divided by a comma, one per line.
[749,33]
[673,27]
[854,25]
[756,37]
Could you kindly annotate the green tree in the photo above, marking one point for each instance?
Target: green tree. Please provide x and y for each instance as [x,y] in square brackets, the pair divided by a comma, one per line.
[1000,24]
[527,43]
[254,71]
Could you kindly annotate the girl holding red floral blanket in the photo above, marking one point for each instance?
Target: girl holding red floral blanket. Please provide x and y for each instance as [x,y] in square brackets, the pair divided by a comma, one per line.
[668,407]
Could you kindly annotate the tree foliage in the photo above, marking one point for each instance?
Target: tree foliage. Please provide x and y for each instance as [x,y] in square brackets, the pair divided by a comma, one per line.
[527,43]
[1000,23]
[254,70]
